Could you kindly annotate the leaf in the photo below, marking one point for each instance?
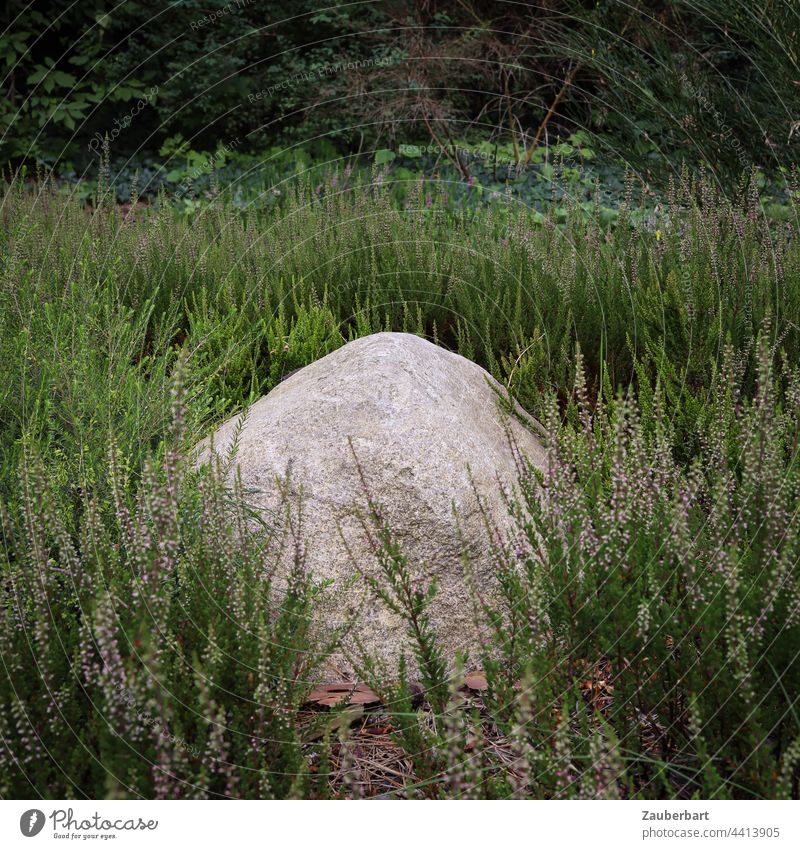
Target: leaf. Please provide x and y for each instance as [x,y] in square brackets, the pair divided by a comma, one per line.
[378,730]
[62,78]
[331,695]
[383,157]
[476,681]
[38,75]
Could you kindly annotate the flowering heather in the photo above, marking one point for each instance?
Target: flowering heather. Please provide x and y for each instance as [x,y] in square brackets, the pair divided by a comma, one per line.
[647,638]
[657,603]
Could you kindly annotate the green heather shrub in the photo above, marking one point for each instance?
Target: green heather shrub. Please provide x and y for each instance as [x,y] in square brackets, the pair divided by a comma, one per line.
[117,640]
[647,639]
[679,583]
[511,291]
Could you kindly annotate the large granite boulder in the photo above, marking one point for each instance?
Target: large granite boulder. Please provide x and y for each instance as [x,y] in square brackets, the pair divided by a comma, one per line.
[421,421]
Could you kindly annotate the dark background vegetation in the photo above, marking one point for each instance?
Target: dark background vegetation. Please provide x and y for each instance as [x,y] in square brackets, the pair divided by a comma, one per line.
[655,82]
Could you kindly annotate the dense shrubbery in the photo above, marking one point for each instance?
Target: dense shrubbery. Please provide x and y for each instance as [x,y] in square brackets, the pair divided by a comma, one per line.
[681,580]
[660,561]
[665,81]
[510,288]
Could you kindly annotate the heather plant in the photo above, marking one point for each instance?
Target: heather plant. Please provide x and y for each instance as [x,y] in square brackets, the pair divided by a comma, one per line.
[672,588]
[409,599]
[396,587]
[118,640]
[646,636]
[254,294]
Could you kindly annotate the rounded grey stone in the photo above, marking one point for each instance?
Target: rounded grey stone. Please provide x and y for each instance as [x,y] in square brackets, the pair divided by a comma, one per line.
[430,437]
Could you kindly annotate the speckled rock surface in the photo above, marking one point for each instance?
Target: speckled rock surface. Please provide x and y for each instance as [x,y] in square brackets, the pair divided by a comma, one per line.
[417,416]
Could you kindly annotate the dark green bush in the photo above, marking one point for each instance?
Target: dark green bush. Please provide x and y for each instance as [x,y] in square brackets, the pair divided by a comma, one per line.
[657,83]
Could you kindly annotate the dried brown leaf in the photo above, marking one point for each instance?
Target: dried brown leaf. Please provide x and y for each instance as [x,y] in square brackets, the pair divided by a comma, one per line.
[476,681]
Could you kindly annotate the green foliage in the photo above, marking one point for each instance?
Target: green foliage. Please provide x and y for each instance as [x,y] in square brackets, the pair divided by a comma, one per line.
[652,86]
[310,334]
[255,295]
[658,550]
[134,615]
[399,592]
[675,584]
[49,100]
